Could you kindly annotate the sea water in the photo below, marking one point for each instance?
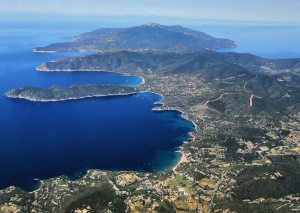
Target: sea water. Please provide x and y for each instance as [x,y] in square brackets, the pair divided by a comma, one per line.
[44,140]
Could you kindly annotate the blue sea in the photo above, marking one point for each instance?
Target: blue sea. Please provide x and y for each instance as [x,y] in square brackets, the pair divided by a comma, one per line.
[44,140]
[265,41]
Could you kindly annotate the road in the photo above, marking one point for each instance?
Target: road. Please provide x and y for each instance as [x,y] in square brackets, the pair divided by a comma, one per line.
[215,190]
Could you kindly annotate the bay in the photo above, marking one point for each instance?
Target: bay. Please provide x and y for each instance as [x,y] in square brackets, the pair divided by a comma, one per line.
[44,140]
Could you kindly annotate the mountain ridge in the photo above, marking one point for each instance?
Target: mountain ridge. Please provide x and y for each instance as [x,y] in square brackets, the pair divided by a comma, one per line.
[167,62]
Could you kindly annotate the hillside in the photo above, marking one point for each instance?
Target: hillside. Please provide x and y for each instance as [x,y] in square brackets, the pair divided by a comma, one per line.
[71,93]
[125,61]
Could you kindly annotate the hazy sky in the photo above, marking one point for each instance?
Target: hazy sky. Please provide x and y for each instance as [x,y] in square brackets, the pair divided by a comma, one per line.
[244,10]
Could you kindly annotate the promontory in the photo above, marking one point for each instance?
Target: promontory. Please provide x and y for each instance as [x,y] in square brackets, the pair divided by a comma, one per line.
[71,93]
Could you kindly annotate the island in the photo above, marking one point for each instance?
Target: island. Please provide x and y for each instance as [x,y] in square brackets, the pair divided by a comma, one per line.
[71,93]
[147,37]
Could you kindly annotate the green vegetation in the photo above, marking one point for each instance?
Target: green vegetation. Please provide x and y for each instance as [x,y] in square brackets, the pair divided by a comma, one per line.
[73,92]
[218,105]
[177,181]
[257,182]
[97,199]
[165,207]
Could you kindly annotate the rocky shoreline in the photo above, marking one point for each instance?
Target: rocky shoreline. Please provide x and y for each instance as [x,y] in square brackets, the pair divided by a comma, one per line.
[42,51]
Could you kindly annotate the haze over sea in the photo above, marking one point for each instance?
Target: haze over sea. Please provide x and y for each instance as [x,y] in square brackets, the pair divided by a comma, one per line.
[44,140]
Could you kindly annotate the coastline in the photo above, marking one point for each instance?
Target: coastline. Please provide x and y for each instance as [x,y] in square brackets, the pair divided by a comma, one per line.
[82,70]
[42,51]
[42,182]
[183,116]
[72,99]
[95,70]
[183,159]
[160,108]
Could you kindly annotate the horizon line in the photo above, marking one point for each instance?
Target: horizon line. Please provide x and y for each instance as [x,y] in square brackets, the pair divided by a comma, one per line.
[157,16]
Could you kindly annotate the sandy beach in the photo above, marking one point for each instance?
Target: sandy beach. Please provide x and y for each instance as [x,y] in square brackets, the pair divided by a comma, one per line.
[183,159]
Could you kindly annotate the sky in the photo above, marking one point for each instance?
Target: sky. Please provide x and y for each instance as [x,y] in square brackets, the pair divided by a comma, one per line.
[235,10]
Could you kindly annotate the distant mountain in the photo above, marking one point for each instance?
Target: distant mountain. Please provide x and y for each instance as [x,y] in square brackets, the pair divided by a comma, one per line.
[147,37]
[25,18]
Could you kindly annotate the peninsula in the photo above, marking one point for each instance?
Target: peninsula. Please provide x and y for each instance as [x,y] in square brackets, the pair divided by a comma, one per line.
[71,93]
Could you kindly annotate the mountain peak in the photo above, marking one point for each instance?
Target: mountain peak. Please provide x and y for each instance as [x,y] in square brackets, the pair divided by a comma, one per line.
[178,26]
[151,24]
